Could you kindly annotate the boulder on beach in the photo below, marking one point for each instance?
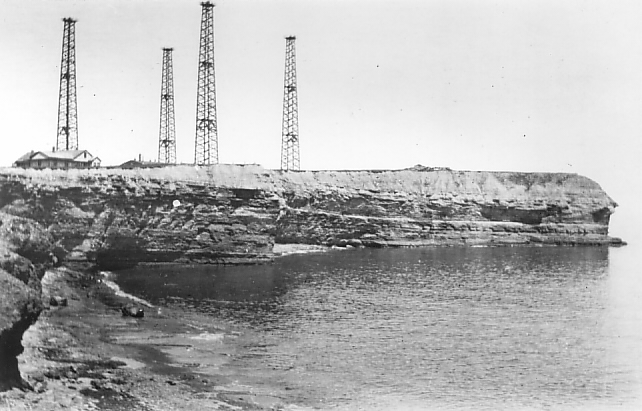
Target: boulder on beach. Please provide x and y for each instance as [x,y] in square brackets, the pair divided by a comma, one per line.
[130,311]
[58,301]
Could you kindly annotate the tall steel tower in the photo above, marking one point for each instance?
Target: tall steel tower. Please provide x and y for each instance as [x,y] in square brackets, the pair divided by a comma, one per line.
[206,150]
[290,135]
[167,134]
[67,116]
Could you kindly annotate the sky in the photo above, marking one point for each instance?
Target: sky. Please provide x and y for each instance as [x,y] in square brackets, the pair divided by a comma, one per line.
[505,85]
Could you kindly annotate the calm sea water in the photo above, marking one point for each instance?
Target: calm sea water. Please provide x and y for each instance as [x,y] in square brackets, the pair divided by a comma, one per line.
[433,328]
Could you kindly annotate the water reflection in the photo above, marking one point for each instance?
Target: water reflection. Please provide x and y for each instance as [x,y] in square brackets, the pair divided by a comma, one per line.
[453,328]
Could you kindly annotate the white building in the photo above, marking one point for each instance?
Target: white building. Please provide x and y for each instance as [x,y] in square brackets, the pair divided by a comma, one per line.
[64,159]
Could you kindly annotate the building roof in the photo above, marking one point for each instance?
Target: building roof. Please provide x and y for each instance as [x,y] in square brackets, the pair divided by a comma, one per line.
[143,164]
[25,157]
[57,155]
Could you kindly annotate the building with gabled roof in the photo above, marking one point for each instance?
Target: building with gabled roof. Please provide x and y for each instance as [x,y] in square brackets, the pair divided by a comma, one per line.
[62,159]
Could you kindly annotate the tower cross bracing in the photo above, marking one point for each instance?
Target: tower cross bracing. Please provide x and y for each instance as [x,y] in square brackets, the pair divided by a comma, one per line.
[206,144]
[67,135]
[290,126]
[167,134]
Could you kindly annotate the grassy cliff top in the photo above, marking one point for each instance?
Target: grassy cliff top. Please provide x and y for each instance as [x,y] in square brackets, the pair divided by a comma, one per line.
[415,181]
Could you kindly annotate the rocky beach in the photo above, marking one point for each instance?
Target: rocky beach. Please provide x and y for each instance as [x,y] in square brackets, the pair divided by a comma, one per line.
[87,355]
[64,341]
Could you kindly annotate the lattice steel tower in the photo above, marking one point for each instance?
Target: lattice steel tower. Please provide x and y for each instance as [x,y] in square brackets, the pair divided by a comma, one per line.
[290,135]
[67,115]
[167,134]
[206,150]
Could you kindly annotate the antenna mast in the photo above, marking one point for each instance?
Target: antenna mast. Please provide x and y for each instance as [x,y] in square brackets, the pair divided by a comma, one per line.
[290,135]
[206,150]
[67,138]
[167,135]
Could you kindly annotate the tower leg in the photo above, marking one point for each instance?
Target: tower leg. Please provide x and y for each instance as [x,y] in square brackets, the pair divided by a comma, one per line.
[167,134]
[206,144]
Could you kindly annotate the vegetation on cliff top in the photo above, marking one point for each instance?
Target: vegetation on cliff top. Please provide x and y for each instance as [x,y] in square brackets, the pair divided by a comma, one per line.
[417,181]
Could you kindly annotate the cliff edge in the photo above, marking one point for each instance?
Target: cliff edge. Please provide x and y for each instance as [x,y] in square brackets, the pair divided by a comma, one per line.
[233,214]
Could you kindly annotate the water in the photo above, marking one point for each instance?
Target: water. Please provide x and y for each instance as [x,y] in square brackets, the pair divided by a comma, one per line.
[433,328]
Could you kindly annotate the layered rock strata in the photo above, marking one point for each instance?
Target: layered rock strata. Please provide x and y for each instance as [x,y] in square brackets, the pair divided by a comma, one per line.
[445,207]
[234,214]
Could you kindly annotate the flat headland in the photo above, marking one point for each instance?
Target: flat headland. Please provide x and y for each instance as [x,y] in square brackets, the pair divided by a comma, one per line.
[234,214]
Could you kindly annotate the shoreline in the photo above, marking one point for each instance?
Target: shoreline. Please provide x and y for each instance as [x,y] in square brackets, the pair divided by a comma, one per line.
[87,355]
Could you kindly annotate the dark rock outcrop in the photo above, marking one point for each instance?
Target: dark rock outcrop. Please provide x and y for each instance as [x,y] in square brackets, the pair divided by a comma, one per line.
[19,308]
[24,255]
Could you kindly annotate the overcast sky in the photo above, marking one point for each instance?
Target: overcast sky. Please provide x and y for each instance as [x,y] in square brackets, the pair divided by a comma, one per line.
[467,84]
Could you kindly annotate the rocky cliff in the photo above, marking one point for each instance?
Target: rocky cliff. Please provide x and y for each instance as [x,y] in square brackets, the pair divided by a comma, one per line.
[442,207]
[234,214]
[25,249]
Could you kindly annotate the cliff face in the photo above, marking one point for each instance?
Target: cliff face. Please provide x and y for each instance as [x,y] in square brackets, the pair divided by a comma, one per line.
[24,256]
[235,214]
[116,221]
[446,207]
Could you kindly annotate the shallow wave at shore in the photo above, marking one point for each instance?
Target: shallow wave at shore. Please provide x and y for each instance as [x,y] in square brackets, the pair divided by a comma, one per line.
[120,293]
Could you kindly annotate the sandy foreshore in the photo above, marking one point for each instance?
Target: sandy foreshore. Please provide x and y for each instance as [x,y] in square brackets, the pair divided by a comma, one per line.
[89,356]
